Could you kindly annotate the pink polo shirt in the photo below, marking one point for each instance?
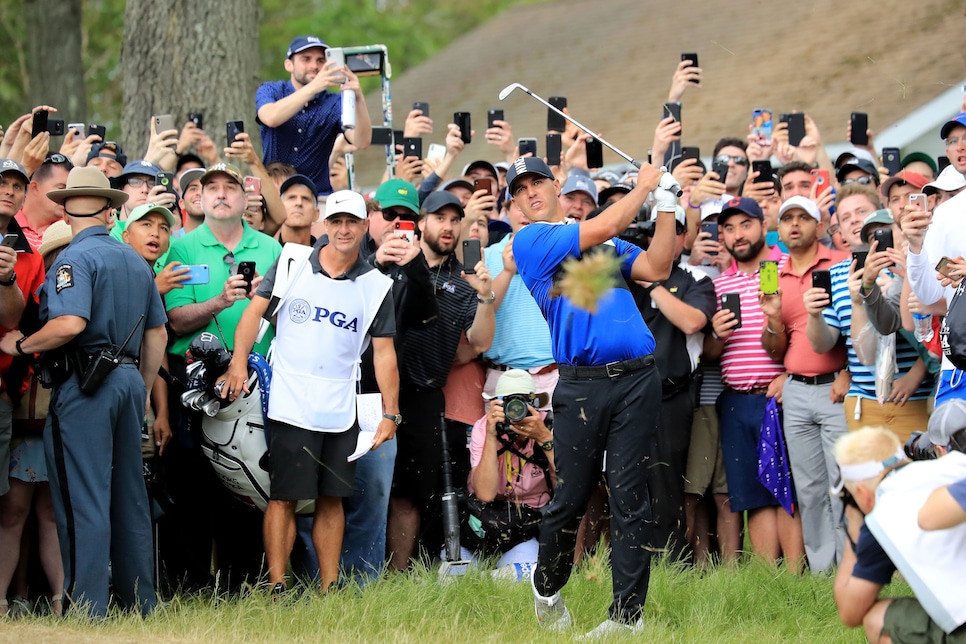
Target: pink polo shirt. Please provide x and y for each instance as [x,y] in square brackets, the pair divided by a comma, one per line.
[799,357]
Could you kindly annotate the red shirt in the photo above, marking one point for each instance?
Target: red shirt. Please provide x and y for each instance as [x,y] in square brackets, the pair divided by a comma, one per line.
[35,238]
[799,357]
[30,277]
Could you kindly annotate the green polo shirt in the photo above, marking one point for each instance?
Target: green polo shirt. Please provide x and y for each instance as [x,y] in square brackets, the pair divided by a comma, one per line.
[200,247]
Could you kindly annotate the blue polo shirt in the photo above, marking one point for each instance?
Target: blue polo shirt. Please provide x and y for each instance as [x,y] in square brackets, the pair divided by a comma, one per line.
[522,337]
[616,332]
[306,139]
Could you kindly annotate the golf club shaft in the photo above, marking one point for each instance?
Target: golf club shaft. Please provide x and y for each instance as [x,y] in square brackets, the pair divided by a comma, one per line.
[635,163]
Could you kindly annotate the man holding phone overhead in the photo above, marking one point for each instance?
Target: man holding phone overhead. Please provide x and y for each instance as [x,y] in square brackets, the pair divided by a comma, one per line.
[300,120]
[811,394]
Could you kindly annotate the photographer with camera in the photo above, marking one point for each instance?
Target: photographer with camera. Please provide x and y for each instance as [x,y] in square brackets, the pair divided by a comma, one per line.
[512,475]
[880,485]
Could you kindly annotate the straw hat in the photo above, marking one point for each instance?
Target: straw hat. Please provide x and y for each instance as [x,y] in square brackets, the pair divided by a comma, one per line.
[57,235]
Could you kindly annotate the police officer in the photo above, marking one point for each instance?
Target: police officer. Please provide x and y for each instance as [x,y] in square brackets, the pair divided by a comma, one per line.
[93,440]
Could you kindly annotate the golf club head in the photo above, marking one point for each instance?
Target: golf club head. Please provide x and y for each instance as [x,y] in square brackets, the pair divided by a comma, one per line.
[188,396]
[211,407]
[506,91]
[192,370]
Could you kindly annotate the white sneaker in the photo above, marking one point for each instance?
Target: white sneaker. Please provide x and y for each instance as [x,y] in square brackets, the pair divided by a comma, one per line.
[551,612]
[611,627]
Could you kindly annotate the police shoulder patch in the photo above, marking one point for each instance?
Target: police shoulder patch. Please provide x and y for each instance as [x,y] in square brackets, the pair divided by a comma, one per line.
[64,277]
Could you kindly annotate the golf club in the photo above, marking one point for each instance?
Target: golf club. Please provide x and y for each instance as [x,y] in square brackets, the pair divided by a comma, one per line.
[509,90]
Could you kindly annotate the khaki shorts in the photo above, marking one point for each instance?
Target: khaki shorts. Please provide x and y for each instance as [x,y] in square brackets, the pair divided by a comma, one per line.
[706,469]
[905,620]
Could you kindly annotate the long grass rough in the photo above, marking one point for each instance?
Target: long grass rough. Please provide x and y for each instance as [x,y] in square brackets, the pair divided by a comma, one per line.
[753,603]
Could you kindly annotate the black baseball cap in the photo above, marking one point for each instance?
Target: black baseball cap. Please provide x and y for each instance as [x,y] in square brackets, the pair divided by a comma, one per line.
[527,165]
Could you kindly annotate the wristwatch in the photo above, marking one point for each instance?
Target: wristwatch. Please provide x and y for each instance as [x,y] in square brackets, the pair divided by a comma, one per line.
[547,445]
[11,281]
[397,418]
[19,348]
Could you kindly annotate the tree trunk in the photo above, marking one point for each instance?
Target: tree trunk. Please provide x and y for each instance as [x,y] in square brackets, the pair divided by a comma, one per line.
[54,66]
[181,56]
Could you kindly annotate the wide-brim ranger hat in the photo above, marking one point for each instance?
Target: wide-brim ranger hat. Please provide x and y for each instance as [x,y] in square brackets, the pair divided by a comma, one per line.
[518,381]
[88,182]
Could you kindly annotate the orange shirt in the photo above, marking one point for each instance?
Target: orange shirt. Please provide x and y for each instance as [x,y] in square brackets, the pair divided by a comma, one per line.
[799,357]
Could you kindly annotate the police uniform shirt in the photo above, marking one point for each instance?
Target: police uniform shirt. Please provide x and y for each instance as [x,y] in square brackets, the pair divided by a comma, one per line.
[616,332]
[108,284]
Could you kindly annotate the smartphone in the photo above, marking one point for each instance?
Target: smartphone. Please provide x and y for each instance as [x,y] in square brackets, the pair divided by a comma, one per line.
[336,55]
[710,227]
[761,124]
[406,229]
[821,180]
[796,127]
[690,152]
[892,161]
[252,184]
[381,136]
[941,163]
[197,274]
[556,122]
[823,280]
[768,277]
[39,122]
[76,127]
[484,183]
[554,149]
[166,179]
[9,240]
[860,127]
[234,128]
[884,238]
[436,152]
[462,119]
[595,153]
[942,267]
[471,255]
[397,136]
[198,119]
[720,169]
[859,257]
[247,270]
[766,174]
[692,56]
[493,115]
[527,145]
[99,130]
[163,122]
[732,302]
[673,110]
[422,106]
[919,200]
[412,147]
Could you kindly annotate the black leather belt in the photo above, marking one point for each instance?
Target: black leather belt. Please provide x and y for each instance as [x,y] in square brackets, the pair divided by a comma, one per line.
[754,391]
[609,370]
[820,379]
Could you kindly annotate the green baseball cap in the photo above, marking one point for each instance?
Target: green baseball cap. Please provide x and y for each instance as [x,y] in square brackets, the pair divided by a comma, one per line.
[397,192]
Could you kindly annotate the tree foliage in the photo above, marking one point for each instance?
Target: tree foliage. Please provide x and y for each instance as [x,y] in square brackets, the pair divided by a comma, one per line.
[412,29]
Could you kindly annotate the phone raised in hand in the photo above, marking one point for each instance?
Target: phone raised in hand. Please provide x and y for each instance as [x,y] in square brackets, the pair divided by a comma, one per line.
[462,120]
[892,161]
[247,270]
[883,238]
[198,119]
[554,149]
[761,124]
[233,129]
[197,274]
[493,115]
[732,302]
[768,276]
[673,110]
[710,227]
[919,201]
[556,122]
[595,153]
[99,130]
[422,106]
[163,122]
[166,179]
[406,229]
[823,280]
[412,147]
[40,118]
[859,122]
[796,127]
[720,169]
[252,184]
[859,257]
[471,255]
[483,183]
[381,136]
[692,56]
[766,174]
[821,180]
[527,145]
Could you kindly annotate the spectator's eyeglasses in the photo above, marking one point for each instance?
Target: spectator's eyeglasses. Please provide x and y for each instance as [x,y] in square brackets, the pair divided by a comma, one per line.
[833,229]
[954,141]
[58,159]
[137,182]
[863,181]
[726,158]
[390,214]
[229,259]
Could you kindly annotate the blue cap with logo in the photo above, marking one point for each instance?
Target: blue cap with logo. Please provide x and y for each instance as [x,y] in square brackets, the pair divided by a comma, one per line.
[301,43]
[743,206]
[580,183]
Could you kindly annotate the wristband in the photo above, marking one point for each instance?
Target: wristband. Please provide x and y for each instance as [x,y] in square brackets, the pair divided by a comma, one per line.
[768,328]
[20,348]
[487,300]
[11,281]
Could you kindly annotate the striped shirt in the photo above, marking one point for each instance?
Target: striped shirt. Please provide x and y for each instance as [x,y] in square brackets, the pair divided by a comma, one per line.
[745,364]
[839,316]
[427,355]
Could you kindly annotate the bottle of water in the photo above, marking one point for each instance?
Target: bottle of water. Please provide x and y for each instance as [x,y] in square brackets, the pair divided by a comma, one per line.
[923,324]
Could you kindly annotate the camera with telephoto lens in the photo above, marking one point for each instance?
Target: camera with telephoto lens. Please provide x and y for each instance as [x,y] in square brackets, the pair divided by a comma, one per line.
[919,450]
[516,408]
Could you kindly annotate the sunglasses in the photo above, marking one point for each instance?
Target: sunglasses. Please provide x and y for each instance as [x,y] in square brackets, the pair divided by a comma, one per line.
[391,214]
[58,159]
[862,181]
[726,158]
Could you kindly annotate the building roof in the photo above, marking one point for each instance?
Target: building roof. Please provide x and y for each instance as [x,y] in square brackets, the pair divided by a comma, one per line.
[614,61]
